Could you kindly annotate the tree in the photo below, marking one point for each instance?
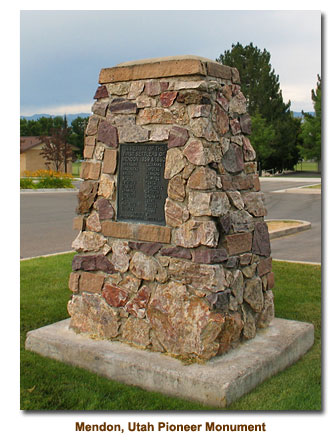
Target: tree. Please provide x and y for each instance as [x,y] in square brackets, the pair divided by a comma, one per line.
[78,126]
[57,148]
[262,137]
[260,85]
[311,127]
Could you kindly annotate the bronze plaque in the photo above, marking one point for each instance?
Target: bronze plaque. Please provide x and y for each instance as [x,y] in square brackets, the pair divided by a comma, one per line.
[142,188]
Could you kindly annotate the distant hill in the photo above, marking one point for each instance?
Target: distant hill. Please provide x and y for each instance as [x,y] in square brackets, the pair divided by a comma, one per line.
[70,117]
[299,114]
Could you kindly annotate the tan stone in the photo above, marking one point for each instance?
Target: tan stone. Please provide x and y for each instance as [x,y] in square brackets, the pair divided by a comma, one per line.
[136,89]
[219,70]
[159,133]
[117,229]
[99,150]
[174,163]
[106,187]
[145,101]
[175,214]
[238,104]
[253,294]
[130,283]
[91,314]
[210,277]
[199,203]
[194,233]
[119,89]
[121,255]
[88,151]
[182,323]
[91,282]
[78,223]
[88,241]
[92,125]
[155,116]
[160,69]
[93,222]
[202,128]
[136,331]
[74,282]
[90,170]
[160,234]
[144,267]
[202,178]
[109,161]
[176,188]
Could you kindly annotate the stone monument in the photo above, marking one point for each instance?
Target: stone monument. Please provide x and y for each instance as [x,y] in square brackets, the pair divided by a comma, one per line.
[173,254]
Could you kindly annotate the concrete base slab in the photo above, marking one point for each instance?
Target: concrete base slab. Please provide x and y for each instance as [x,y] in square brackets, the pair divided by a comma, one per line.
[218,382]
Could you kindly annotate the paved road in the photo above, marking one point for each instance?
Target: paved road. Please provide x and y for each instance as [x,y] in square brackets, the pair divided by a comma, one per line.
[303,246]
[46,221]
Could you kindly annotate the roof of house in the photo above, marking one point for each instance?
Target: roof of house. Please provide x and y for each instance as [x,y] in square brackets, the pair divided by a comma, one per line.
[27,142]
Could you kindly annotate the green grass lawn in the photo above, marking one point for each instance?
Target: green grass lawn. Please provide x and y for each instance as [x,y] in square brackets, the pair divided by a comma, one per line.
[306,166]
[50,385]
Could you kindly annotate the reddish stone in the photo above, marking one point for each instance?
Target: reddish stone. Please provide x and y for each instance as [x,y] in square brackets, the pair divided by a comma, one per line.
[270,280]
[121,105]
[238,243]
[235,126]
[101,92]
[246,124]
[107,134]
[233,159]
[137,305]
[177,137]
[209,256]
[105,209]
[177,251]
[222,120]
[168,98]
[145,248]
[92,262]
[115,296]
[261,240]
[264,266]
[164,85]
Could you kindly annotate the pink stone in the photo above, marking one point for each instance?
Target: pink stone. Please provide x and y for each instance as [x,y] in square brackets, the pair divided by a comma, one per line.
[115,296]
[235,126]
[137,305]
[168,98]
[248,150]
[177,137]
[202,178]
[194,233]
[196,153]
[152,88]
[107,134]
[222,120]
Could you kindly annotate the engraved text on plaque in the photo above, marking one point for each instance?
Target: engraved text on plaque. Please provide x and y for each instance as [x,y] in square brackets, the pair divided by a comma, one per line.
[142,189]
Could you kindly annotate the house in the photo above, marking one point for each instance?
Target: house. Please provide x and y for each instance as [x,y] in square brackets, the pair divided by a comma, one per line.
[32,160]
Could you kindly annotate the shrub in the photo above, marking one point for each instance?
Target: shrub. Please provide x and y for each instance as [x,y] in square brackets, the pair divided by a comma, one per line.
[27,183]
[54,182]
[46,173]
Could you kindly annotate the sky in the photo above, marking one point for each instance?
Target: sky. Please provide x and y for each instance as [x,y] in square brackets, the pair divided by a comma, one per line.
[63,51]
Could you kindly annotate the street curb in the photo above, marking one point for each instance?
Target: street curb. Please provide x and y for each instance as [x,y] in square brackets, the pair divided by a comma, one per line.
[48,190]
[47,255]
[312,263]
[290,230]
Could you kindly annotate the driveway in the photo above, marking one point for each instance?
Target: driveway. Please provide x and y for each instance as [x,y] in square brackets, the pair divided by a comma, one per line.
[46,221]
